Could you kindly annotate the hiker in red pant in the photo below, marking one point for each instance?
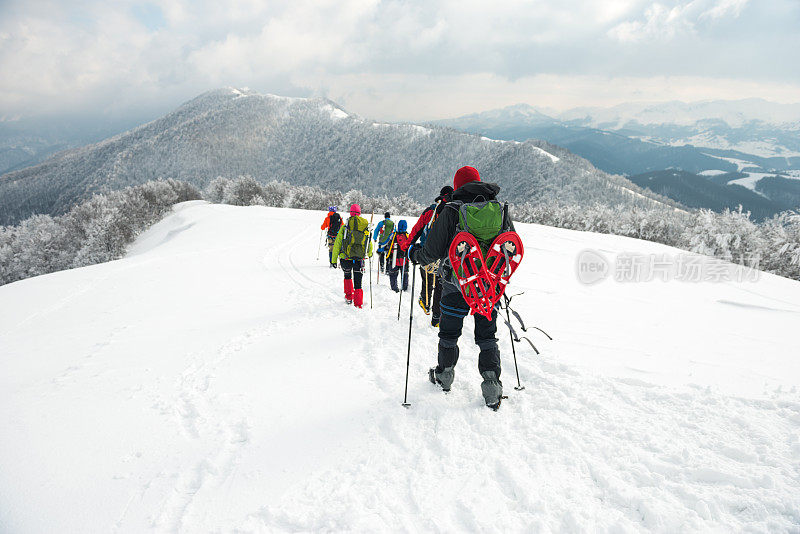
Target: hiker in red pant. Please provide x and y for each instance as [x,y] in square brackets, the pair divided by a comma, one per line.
[351,247]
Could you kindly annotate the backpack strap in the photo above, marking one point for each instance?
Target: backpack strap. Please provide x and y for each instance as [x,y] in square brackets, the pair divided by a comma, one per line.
[347,234]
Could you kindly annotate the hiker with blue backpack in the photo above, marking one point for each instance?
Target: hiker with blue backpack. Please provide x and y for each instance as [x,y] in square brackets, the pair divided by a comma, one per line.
[473,208]
[383,234]
[351,247]
[396,263]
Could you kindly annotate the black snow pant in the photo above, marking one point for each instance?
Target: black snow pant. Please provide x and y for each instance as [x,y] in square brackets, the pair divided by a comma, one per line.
[393,272]
[431,292]
[454,309]
[353,269]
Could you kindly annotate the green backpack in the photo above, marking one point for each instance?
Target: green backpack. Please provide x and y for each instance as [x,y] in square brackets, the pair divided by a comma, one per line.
[356,237]
[388,227]
[484,220]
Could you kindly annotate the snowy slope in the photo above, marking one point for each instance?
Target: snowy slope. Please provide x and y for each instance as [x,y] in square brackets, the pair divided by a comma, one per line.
[214,380]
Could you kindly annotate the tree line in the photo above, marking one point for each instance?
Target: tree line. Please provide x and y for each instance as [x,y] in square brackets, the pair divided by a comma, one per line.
[100,228]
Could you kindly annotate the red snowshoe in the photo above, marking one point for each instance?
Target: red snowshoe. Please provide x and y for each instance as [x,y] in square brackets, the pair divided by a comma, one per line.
[505,255]
[482,287]
[473,280]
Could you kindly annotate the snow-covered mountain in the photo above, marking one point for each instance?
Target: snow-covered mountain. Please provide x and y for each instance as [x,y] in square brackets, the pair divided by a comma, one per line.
[753,138]
[214,380]
[734,113]
[751,126]
[230,132]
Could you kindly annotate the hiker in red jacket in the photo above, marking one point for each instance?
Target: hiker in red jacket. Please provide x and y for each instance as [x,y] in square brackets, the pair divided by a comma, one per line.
[431,291]
[396,261]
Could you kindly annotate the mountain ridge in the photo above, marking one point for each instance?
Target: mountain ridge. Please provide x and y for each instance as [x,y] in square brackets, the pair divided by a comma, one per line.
[230,132]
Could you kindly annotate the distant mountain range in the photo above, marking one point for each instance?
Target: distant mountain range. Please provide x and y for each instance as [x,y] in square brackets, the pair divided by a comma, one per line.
[230,132]
[27,141]
[634,138]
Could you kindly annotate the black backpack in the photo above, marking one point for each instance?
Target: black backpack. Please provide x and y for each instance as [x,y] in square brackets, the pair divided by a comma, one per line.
[334,224]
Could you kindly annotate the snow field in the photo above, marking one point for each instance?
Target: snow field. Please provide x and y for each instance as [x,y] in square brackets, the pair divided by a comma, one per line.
[214,380]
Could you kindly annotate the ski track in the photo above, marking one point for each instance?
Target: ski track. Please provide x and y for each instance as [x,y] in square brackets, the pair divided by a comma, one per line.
[623,455]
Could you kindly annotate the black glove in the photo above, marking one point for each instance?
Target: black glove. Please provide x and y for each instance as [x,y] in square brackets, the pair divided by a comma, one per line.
[334,265]
[413,252]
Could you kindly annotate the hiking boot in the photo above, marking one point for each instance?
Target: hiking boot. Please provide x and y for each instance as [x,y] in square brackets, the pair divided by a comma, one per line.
[492,389]
[444,378]
[423,306]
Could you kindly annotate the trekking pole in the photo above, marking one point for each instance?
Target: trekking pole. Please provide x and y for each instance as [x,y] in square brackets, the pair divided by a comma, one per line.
[403,281]
[320,243]
[370,260]
[401,294]
[519,386]
[407,404]
[370,282]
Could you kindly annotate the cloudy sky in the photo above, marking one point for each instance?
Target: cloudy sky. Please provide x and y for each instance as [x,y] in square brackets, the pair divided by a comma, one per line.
[394,60]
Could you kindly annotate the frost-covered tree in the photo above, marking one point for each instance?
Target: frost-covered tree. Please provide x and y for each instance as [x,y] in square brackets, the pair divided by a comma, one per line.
[782,236]
[215,190]
[730,236]
[94,231]
[242,191]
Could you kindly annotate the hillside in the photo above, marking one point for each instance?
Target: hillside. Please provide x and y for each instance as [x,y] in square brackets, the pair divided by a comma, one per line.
[214,380]
[304,142]
[696,191]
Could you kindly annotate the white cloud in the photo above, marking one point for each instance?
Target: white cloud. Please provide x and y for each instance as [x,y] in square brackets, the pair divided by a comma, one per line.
[724,8]
[98,55]
[385,96]
[663,22]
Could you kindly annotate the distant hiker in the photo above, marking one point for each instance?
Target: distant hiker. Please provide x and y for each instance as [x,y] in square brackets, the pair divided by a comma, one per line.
[384,232]
[396,257]
[332,223]
[431,291]
[469,197]
[351,246]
